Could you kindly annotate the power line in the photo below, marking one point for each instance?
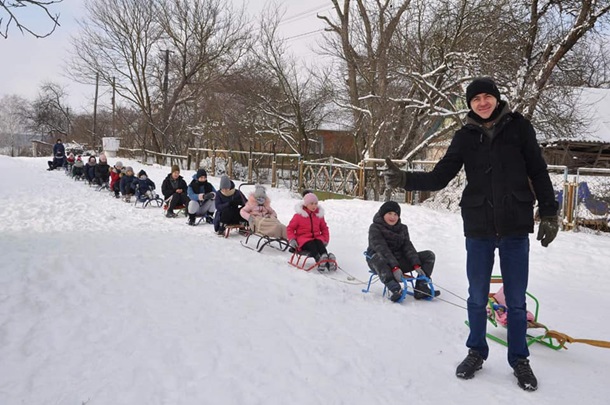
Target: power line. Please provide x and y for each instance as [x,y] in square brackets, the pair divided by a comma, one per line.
[303,14]
[304,34]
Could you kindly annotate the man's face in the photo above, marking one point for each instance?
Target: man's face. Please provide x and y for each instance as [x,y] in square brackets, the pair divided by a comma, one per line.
[175,175]
[483,105]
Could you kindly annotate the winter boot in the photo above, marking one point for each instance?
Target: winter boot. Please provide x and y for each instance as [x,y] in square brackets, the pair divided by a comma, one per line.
[191,220]
[171,214]
[322,263]
[422,290]
[525,376]
[332,264]
[395,293]
[209,218]
[471,364]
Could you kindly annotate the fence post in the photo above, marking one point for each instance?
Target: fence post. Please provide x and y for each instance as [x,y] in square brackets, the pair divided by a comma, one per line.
[230,165]
[188,160]
[250,161]
[301,186]
[362,176]
[273,172]
[213,163]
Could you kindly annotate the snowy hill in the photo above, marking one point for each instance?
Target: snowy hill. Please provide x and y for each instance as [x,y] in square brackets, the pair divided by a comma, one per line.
[102,303]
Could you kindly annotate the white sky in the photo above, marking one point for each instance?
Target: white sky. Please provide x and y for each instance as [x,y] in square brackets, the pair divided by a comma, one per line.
[28,62]
[102,303]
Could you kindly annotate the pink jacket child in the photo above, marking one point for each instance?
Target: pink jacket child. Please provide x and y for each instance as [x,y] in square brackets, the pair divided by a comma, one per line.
[261,217]
[308,231]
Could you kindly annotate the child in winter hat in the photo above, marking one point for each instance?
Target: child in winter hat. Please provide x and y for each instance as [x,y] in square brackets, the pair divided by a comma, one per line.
[260,195]
[142,174]
[391,253]
[225,182]
[308,231]
[175,168]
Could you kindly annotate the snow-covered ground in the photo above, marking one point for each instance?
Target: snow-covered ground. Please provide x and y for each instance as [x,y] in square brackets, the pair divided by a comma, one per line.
[102,303]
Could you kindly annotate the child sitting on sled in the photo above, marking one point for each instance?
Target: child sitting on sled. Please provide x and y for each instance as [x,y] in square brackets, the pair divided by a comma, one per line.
[308,231]
[228,203]
[261,218]
[391,253]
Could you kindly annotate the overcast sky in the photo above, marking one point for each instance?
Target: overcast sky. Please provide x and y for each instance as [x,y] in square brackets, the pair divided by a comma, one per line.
[28,62]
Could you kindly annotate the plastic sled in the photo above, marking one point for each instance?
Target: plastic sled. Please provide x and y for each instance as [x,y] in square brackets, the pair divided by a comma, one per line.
[302,260]
[263,241]
[536,332]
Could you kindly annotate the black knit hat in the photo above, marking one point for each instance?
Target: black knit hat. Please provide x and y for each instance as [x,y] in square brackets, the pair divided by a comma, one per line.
[389,206]
[481,85]
[202,172]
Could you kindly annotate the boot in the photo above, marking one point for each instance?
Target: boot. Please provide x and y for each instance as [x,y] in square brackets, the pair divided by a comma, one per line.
[422,290]
[525,376]
[191,220]
[470,365]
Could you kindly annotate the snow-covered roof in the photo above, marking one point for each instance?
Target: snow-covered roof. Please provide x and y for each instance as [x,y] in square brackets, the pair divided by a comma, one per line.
[594,106]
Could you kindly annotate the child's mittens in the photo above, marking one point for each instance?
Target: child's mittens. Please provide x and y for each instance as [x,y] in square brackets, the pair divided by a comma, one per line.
[397,273]
[293,243]
[209,196]
[419,270]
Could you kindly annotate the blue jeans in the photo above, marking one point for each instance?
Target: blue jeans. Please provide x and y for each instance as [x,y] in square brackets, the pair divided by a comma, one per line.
[514,266]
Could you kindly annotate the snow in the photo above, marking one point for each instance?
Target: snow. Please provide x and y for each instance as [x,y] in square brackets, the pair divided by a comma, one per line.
[104,303]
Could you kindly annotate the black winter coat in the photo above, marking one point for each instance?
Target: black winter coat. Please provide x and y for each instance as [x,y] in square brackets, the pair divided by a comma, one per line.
[391,242]
[169,186]
[498,199]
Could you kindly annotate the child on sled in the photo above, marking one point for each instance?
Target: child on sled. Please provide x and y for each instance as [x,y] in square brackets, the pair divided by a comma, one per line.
[308,231]
[262,219]
[391,253]
[228,203]
[201,194]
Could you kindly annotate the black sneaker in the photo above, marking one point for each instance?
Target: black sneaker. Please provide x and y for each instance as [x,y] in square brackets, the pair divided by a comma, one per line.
[422,290]
[525,376]
[471,364]
[171,214]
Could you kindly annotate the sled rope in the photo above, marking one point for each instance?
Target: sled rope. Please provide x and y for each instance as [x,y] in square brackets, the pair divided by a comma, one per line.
[562,338]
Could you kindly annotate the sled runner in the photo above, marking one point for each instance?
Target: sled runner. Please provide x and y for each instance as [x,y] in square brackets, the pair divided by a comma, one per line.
[240,229]
[303,261]
[148,199]
[408,286]
[179,209]
[264,241]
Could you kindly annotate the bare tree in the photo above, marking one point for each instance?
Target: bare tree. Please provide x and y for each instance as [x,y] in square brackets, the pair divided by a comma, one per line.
[13,124]
[293,100]
[162,54]
[10,14]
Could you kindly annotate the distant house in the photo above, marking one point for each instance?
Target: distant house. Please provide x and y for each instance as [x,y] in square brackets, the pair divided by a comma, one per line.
[335,136]
[592,147]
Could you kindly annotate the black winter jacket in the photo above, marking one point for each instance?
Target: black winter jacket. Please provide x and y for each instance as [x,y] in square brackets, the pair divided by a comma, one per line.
[391,242]
[169,186]
[498,199]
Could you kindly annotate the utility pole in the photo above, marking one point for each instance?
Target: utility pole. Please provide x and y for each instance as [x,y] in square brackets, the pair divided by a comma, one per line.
[113,105]
[97,85]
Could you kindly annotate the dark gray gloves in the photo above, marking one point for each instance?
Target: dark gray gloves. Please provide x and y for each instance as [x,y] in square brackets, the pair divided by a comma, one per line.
[547,230]
[394,177]
[209,196]
[293,243]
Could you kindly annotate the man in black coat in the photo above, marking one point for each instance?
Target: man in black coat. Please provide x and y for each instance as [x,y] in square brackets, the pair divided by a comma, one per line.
[501,158]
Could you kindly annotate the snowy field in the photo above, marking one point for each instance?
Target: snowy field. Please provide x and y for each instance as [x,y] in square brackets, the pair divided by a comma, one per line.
[102,303]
